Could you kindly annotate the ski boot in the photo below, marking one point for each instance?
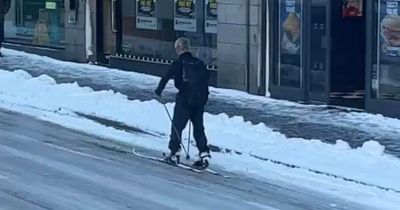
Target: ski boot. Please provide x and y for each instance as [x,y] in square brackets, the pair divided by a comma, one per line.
[173,158]
[203,161]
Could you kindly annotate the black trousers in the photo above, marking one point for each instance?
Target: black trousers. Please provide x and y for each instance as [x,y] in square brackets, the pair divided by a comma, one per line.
[183,112]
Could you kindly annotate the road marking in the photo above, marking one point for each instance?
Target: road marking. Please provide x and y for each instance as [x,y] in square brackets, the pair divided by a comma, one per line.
[3,177]
[77,152]
[27,138]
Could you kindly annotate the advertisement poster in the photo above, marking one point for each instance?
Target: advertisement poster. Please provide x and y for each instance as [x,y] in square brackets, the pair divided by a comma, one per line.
[386,74]
[290,27]
[146,17]
[211,16]
[390,31]
[290,43]
[185,15]
[352,8]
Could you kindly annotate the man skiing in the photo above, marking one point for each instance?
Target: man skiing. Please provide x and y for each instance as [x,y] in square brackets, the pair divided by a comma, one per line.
[191,79]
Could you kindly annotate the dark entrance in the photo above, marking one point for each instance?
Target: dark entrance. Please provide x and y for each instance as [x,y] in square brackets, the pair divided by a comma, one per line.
[348,25]
[318,49]
[108,29]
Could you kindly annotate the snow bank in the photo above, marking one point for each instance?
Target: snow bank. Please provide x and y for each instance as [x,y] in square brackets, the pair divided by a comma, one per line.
[42,97]
[378,125]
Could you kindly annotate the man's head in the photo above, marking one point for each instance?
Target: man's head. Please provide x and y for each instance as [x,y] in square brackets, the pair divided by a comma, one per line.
[182,45]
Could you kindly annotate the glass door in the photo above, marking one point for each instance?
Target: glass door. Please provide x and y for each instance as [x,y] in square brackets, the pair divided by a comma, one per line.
[300,43]
[288,52]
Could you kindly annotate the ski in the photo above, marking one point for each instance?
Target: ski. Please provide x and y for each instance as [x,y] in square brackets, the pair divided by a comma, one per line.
[180,165]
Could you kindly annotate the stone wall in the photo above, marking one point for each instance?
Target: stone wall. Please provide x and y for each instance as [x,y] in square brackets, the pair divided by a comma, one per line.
[239,42]
[75,34]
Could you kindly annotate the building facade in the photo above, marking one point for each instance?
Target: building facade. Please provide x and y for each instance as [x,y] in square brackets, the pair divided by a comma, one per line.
[343,53]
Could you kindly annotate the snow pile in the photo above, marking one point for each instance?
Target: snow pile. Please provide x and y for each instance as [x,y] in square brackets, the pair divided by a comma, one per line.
[378,125]
[42,97]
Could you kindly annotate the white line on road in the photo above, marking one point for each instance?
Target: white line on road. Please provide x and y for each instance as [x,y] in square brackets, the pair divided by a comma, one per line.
[3,177]
[78,153]
[27,138]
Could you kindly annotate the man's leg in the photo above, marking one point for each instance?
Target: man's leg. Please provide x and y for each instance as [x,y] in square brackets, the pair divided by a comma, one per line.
[198,129]
[180,119]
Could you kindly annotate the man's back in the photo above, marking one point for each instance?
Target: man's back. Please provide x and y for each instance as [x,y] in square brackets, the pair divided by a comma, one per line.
[191,78]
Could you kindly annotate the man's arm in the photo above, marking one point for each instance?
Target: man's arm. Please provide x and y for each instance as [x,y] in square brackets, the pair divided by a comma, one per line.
[164,80]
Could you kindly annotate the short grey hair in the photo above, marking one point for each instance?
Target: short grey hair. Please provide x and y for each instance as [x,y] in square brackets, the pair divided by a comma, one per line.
[183,43]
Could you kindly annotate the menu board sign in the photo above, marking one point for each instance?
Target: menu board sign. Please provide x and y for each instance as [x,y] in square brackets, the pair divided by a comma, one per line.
[146,14]
[211,16]
[185,15]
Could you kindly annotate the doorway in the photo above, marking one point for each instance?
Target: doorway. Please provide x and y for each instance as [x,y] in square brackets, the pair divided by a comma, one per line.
[300,50]
[347,75]
[318,51]
[108,29]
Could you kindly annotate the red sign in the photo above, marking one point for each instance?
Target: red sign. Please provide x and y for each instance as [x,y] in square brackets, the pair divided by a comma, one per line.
[352,8]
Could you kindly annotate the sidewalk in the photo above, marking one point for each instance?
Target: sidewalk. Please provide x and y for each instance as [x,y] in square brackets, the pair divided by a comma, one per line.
[293,120]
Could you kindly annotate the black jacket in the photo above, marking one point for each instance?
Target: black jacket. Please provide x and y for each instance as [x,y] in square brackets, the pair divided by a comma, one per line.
[175,72]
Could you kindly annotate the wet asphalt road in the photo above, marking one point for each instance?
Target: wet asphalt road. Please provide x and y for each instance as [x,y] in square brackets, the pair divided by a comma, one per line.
[47,167]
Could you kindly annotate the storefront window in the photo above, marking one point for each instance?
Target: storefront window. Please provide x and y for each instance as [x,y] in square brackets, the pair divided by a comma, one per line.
[150,28]
[37,22]
[290,43]
[386,74]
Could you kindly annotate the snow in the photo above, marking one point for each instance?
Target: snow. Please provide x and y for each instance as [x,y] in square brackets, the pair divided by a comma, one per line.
[3,177]
[333,205]
[42,97]
[375,124]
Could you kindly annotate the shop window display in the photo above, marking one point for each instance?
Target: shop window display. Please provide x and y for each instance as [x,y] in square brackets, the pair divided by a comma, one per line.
[36,22]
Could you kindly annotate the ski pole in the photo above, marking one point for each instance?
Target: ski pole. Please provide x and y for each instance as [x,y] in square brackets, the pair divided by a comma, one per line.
[189,135]
[176,131]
